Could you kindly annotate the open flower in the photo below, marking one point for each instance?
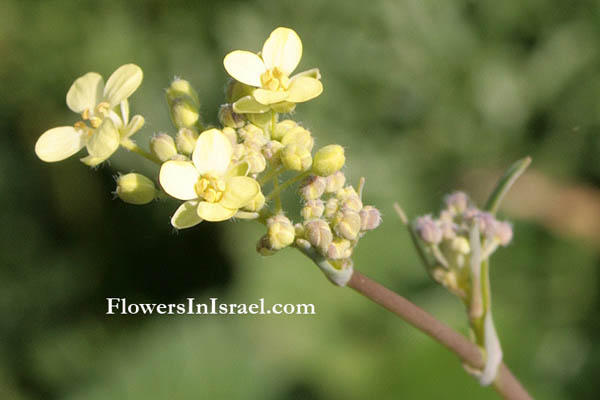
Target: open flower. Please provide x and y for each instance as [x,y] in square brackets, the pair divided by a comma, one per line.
[270,71]
[104,110]
[213,188]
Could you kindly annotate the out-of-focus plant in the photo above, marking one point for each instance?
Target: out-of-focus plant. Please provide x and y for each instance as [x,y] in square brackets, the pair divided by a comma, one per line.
[240,169]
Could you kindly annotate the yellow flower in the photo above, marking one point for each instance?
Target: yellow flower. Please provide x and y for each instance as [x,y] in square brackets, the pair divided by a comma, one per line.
[270,71]
[104,110]
[213,188]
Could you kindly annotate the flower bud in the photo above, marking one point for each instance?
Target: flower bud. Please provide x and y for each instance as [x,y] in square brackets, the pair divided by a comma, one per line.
[504,233]
[460,245]
[370,218]
[256,161]
[428,230]
[313,209]
[328,160]
[253,137]
[457,202]
[300,136]
[448,229]
[339,248]
[271,151]
[312,188]
[229,118]
[335,182]
[256,204]
[296,158]
[318,233]
[282,128]
[163,147]
[184,104]
[135,188]
[331,207]
[281,232]
[186,141]
[236,90]
[347,224]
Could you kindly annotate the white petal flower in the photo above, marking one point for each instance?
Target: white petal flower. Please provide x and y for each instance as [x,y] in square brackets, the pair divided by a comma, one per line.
[56,144]
[178,179]
[212,153]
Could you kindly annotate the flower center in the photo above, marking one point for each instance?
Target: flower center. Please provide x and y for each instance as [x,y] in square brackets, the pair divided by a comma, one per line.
[210,188]
[94,117]
[274,79]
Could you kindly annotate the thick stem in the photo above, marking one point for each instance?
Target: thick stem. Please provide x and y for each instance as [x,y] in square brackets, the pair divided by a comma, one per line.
[132,146]
[506,384]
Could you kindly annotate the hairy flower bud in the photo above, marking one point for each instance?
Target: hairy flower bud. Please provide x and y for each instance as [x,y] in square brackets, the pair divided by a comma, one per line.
[231,135]
[457,202]
[186,141]
[271,151]
[281,232]
[256,161]
[328,160]
[504,233]
[135,188]
[282,128]
[184,104]
[335,182]
[312,188]
[428,230]
[313,209]
[347,224]
[296,157]
[331,207]
[229,118]
[318,233]
[163,147]
[339,248]
[300,136]
[370,218]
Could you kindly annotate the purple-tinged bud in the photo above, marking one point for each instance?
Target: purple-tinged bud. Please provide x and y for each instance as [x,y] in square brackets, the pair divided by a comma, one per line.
[318,233]
[335,182]
[339,248]
[313,209]
[271,151]
[229,118]
[347,224]
[370,218]
[504,232]
[457,202]
[312,187]
[428,230]
[448,229]
[331,207]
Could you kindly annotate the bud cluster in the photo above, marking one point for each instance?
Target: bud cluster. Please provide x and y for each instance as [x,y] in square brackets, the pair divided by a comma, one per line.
[447,239]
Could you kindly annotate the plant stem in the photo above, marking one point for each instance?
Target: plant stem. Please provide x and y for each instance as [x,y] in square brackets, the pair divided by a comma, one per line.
[506,384]
[504,184]
[285,184]
[132,146]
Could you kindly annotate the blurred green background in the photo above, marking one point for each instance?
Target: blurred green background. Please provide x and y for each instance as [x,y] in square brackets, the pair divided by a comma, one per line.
[426,96]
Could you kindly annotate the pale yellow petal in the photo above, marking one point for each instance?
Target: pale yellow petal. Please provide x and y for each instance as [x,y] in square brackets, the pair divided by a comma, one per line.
[56,144]
[240,169]
[303,88]
[212,153]
[311,73]
[264,96]
[178,179]
[104,141]
[85,93]
[92,161]
[122,83]
[186,215]
[284,107]
[240,191]
[245,67]
[214,212]
[283,49]
[249,105]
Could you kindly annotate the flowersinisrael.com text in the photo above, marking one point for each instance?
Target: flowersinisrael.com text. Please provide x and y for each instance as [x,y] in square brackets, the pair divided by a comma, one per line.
[120,306]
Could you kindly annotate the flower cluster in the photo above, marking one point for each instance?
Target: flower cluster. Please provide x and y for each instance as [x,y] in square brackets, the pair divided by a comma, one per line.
[221,172]
[447,240]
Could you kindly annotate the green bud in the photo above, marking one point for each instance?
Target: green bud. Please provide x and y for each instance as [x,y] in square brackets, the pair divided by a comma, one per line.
[347,224]
[318,233]
[236,90]
[184,104]
[186,141]
[227,117]
[328,160]
[135,188]
[282,128]
[281,232]
[300,136]
[163,147]
[296,158]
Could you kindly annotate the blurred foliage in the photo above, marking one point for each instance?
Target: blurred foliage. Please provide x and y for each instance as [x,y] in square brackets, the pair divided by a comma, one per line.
[419,92]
